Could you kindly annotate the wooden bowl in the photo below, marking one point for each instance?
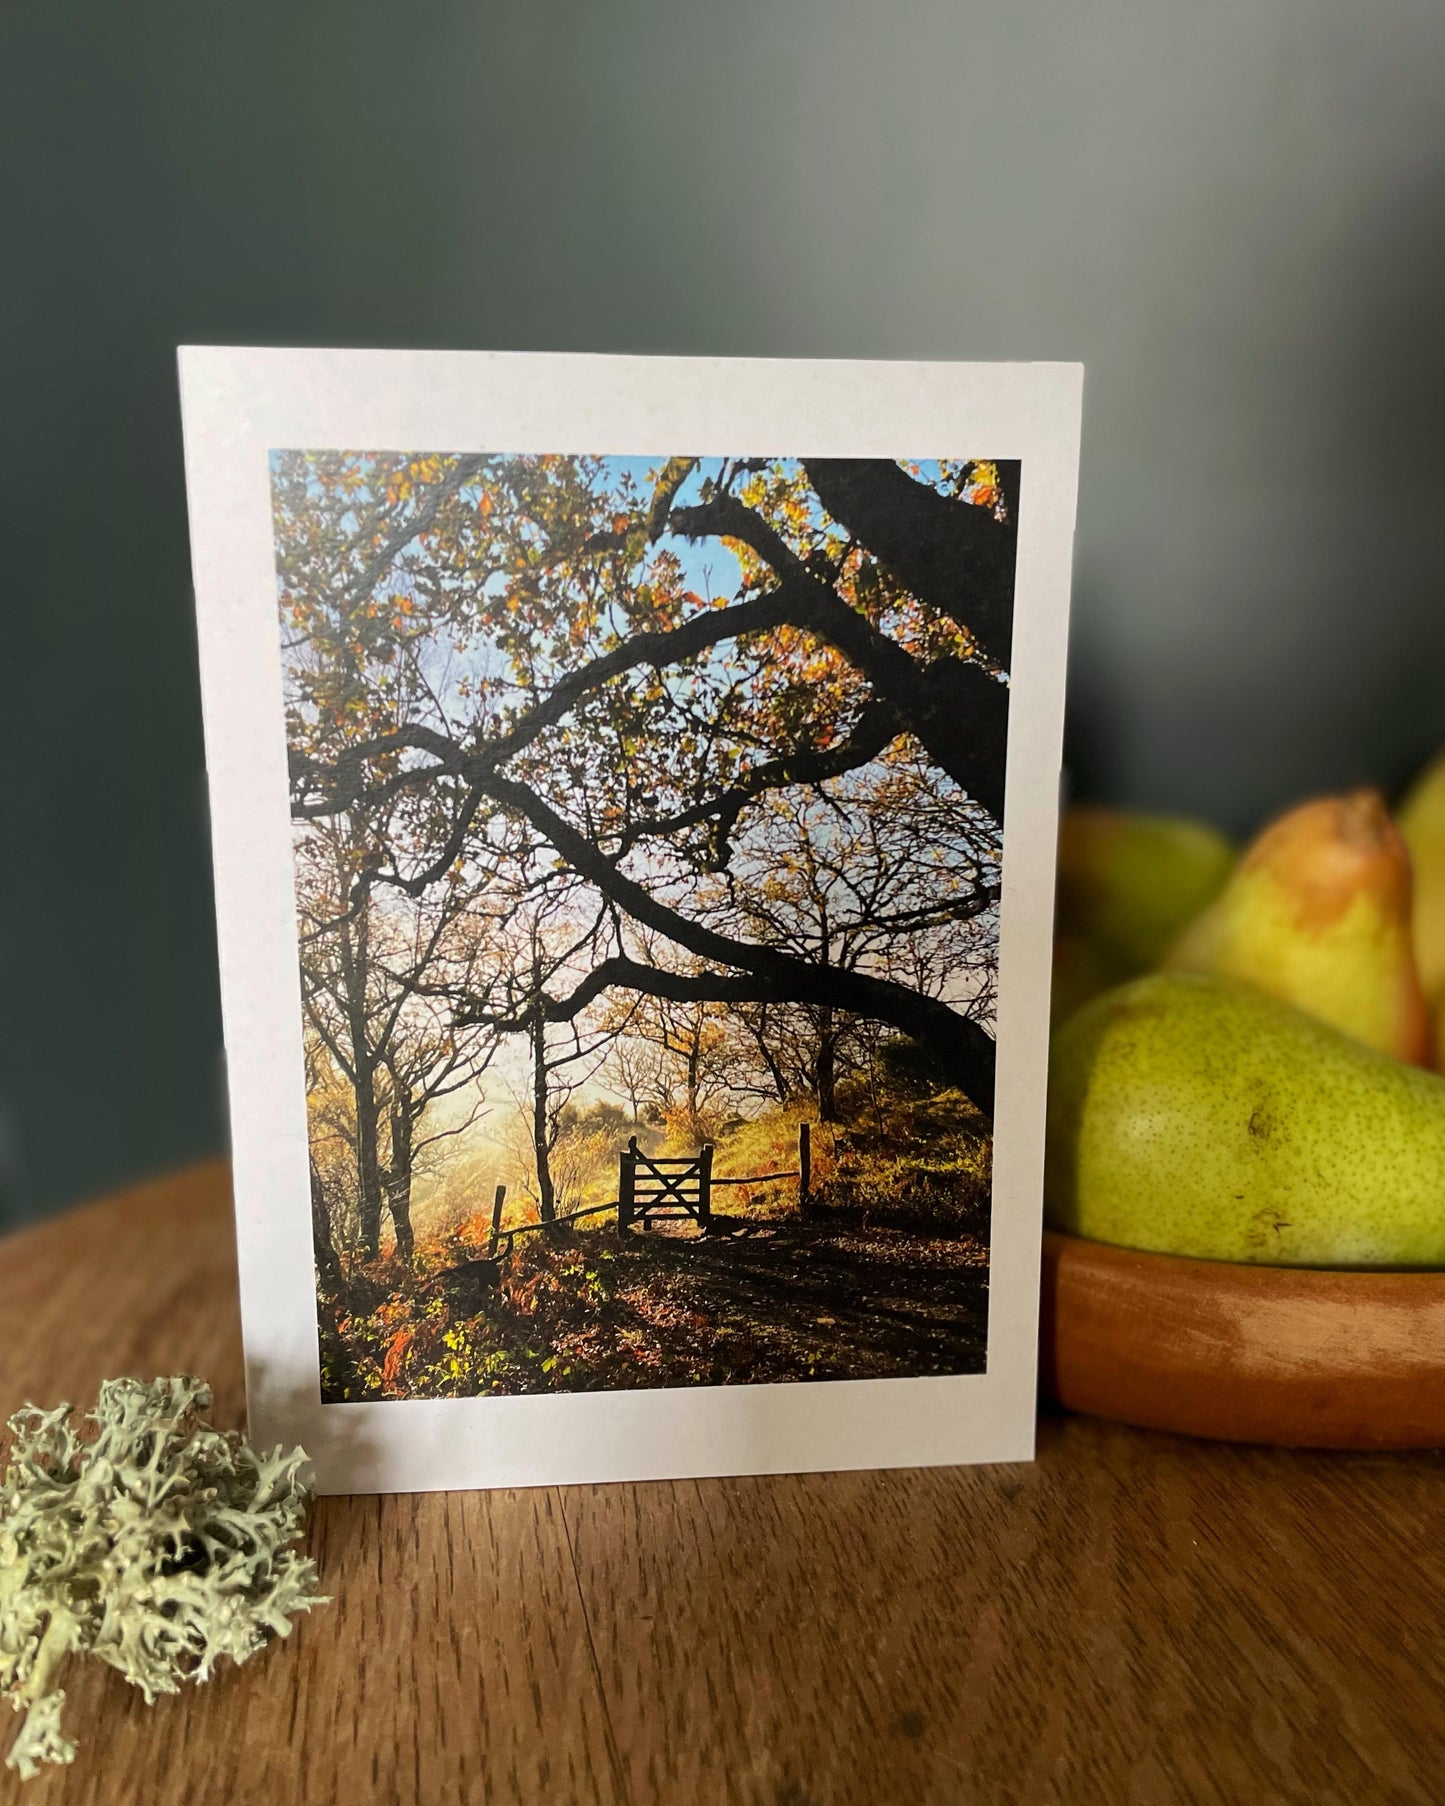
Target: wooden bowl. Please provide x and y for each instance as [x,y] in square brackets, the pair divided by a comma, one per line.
[1291,1355]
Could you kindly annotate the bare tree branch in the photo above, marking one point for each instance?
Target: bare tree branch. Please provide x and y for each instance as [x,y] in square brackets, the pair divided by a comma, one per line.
[877,728]
[962,1045]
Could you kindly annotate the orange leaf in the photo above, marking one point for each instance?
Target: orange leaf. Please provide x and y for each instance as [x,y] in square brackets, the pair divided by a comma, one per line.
[391,1367]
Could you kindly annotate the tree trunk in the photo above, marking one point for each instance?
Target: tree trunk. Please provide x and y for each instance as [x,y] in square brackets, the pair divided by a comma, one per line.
[328,1266]
[758,1028]
[546,1190]
[398,1179]
[694,1082]
[368,1163]
[354,955]
[825,1068]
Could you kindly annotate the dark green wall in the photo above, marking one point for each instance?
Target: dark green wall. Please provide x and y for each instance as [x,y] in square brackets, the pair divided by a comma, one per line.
[1232,213]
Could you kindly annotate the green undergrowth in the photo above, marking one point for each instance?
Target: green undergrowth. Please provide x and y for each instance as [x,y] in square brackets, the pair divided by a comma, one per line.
[585,1311]
[924,1161]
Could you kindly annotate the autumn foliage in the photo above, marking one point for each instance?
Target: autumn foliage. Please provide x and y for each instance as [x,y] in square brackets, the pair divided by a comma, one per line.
[667,788]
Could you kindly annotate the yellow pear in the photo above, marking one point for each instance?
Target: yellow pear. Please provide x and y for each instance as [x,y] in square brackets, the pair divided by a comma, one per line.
[1422,822]
[1196,1115]
[1318,914]
[1127,883]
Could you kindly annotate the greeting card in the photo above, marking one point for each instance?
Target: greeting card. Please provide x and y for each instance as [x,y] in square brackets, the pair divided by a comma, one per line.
[634,789]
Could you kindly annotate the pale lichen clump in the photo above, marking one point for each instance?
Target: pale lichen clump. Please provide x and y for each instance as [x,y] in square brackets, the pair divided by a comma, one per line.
[157,1543]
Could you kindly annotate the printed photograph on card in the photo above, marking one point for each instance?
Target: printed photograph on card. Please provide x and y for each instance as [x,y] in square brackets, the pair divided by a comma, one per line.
[654,1079]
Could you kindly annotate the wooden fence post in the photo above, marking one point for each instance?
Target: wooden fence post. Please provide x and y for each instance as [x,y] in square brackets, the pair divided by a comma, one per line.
[497,1202]
[805,1163]
[626,1184]
[704,1186]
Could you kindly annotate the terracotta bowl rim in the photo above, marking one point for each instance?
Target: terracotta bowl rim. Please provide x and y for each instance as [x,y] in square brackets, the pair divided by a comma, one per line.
[1185,1268]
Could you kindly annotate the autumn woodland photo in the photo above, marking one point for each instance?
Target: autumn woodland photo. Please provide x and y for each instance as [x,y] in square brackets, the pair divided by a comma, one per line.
[648,831]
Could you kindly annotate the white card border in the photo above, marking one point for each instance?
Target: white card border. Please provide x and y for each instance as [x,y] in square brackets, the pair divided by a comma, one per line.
[237,405]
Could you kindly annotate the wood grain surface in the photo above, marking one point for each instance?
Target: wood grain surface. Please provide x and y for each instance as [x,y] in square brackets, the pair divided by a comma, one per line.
[1134,1619]
[1303,1357]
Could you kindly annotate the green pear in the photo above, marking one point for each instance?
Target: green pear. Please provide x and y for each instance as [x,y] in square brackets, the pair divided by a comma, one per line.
[1081,971]
[1318,914]
[1422,822]
[1197,1115]
[1127,883]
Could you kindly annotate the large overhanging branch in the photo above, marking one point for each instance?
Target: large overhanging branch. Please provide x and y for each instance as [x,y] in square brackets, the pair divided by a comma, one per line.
[957,710]
[659,648]
[951,554]
[962,1046]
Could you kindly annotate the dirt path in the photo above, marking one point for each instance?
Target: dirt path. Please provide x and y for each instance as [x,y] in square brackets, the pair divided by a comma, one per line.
[759,1301]
[821,1300]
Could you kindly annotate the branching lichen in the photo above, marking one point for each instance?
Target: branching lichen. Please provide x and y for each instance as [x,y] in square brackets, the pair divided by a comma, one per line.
[157,1543]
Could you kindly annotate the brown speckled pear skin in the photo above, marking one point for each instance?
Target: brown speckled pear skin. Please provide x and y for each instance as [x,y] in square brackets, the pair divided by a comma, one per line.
[1318,913]
[1196,1115]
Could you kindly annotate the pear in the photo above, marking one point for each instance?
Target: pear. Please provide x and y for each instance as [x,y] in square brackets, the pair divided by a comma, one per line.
[1199,1116]
[1080,972]
[1127,882]
[1422,822]
[1318,914]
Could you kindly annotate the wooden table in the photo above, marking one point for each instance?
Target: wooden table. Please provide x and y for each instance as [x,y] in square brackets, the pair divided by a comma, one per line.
[1133,1619]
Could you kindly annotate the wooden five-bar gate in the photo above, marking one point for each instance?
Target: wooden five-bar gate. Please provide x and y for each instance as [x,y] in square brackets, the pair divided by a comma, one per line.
[653,1189]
